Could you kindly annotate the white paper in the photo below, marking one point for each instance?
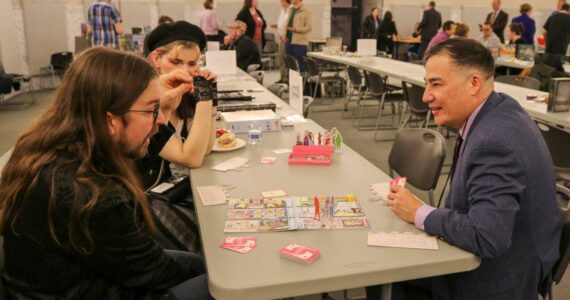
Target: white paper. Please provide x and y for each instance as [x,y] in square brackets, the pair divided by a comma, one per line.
[381,190]
[402,240]
[221,62]
[212,195]
[366,47]
[296,91]
[282,151]
[213,46]
[230,164]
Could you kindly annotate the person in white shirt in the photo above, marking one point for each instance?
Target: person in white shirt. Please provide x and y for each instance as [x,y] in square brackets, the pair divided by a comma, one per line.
[489,39]
[282,32]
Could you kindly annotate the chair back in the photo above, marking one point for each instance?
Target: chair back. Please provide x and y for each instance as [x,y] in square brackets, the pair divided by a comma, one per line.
[414,58]
[270,47]
[291,63]
[562,263]
[354,76]
[375,83]
[307,101]
[312,66]
[558,143]
[414,94]
[61,60]
[418,154]
[269,36]
[526,82]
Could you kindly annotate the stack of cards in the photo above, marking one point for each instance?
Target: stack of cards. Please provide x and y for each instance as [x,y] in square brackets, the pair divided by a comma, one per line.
[401,181]
[300,254]
[240,244]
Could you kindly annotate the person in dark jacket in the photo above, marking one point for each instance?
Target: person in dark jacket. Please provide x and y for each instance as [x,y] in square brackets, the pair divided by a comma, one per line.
[428,27]
[528,24]
[498,19]
[75,219]
[387,33]
[253,19]
[247,52]
[371,24]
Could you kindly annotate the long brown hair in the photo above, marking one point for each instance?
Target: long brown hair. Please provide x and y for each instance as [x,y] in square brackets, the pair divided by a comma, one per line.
[74,126]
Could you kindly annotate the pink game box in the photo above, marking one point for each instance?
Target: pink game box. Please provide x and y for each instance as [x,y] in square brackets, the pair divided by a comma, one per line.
[311,155]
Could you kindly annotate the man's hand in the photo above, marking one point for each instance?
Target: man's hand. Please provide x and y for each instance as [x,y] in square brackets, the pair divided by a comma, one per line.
[292,29]
[403,203]
[227,39]
[172,86]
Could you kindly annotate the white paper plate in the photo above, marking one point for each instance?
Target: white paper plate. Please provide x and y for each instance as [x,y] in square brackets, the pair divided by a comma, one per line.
[239,144]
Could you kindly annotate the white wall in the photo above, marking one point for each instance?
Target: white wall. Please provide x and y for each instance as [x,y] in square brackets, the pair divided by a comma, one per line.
[12,37]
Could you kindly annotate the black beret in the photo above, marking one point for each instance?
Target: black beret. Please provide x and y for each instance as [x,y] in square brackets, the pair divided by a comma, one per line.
[170,32]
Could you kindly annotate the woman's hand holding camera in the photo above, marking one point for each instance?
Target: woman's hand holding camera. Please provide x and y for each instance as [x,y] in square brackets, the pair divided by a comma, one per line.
[173,85]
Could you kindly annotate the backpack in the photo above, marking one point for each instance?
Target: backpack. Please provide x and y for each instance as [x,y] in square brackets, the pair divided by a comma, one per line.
[174,215]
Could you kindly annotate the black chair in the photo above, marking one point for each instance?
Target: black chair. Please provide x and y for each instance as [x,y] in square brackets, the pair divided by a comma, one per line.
[356,88]
[418,110]
[418,154]
[526,82]
[558,142]
[59,62]
[9,82]
[269,52]
[378,91]
[562,264]
[315,76]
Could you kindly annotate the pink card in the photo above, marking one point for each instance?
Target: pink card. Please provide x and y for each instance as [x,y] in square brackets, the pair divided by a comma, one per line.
[246,241]
[268,160]
[299,253]
[239,249]
[401,181]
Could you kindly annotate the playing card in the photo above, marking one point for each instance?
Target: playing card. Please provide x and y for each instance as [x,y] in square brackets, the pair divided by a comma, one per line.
[249,241]
[268,160]
[239,249]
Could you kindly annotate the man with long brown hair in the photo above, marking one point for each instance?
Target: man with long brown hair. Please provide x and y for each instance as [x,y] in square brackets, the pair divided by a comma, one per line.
[73,214]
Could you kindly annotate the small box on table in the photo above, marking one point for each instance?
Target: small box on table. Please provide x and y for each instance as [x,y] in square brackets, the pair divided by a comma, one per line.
[239,121]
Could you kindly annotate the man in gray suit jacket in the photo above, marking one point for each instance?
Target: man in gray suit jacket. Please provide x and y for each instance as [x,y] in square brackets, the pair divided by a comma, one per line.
[428,27]
[498,19]
[501,205]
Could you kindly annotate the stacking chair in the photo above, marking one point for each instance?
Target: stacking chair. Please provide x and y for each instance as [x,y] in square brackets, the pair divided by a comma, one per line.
[418,154]
[58,65]
[314,75]
[417,109]
[252,67]
[9,81]
[307,103]
[377,91]
[356,87]
[526,82]
[562,263]
[558,142]
[414,58]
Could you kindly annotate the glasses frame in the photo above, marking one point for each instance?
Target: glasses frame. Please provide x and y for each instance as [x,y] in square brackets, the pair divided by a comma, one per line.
[154,112]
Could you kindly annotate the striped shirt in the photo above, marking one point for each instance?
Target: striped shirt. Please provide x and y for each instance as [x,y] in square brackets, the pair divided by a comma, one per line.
[102,17]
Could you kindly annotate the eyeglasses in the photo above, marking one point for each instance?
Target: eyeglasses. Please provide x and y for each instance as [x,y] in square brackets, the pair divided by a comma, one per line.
[154,112]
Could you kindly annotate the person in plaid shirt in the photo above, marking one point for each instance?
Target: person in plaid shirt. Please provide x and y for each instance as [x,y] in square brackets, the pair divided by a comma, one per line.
[104,24]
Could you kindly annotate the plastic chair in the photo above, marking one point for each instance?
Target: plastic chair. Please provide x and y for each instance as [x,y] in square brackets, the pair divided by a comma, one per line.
[356,87]
[378,91]
[418,154]
[526,82]
[10,81]
[270,52]
[307,103]
[562,264]
[414,58]
[58,65]
[315,75]
[558,143]
[417,109]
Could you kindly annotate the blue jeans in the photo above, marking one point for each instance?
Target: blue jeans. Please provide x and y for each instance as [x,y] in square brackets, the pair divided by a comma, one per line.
[195,288]
[299,52]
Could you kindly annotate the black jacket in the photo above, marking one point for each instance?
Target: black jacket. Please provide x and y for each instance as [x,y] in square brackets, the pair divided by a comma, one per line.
[126,263]
[247,52]
[500,23]
[245,16]
[369,28]
[430,24]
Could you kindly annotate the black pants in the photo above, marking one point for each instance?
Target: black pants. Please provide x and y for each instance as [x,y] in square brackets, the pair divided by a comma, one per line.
[406,290]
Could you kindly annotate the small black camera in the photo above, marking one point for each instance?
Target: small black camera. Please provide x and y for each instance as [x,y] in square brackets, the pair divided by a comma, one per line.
[205,89]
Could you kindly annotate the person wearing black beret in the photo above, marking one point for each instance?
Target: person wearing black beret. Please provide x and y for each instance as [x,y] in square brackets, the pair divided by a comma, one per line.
[190,131]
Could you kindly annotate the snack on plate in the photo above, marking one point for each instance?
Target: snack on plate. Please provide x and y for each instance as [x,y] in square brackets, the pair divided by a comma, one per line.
[227,140]
[220,131]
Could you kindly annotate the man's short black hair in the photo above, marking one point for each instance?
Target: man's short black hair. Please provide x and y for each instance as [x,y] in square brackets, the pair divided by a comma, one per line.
[447,25]
[431,4]
[565,7]
[465,53]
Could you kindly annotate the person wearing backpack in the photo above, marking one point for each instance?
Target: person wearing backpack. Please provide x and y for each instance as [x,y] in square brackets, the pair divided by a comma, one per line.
[74,216]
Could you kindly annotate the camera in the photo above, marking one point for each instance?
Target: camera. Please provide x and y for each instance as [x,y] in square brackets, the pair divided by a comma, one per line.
[205,89]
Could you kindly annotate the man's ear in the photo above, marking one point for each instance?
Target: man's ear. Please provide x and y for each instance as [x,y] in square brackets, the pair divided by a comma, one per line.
[476,83]
[112,124]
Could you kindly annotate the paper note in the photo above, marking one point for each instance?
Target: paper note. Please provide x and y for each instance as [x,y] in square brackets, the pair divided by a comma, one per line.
[282,151]
[381,190]
[230,164]
[296,91]
[212,195]
[221,62]
[268,160]
[402,240]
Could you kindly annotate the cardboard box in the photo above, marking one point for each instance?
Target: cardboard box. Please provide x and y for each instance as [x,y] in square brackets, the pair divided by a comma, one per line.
[239,121]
